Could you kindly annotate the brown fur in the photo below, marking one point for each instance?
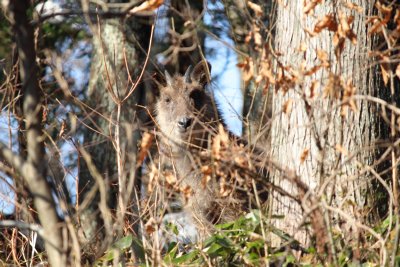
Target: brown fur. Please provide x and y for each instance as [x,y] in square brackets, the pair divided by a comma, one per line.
[182,100]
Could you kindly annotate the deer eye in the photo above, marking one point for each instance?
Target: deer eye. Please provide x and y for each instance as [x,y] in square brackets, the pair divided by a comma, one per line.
[167,100]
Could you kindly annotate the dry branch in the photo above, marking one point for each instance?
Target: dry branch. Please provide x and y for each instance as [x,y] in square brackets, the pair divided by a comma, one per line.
[32,169]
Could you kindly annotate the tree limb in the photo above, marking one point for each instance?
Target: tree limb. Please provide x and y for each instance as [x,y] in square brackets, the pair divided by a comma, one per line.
[33,169]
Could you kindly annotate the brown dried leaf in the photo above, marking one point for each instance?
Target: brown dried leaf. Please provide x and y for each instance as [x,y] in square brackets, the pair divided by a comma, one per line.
[256,8]
[355,7]
[385,73]
[304,155]
[310,6]
[205,180]
[149,5]
[313,88]
[385,10]
[332,88]
[206,170]
[45,113]
[224,188]
[376,26]
[248,37]
[153,178]
[170,178]
[312,70]
[287,106]
[150,226]
[247,67]
[398,71]
[323,57]
[145,145]
[327,22]
[266,72]
[257,39]
[241,161]
[62,130]
[345,30]
[349,92]
[187,192]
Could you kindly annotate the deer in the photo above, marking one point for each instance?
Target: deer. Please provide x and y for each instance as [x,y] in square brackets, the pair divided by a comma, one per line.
[188,119]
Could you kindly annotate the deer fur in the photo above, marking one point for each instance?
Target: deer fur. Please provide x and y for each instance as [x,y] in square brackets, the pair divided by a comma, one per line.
[187,117]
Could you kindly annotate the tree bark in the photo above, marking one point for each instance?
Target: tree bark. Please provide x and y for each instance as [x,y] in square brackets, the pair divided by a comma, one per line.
[32,167]
[314,138]
[117,59]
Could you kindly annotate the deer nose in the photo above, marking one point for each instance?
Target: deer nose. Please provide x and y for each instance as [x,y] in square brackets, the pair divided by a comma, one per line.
[184,123]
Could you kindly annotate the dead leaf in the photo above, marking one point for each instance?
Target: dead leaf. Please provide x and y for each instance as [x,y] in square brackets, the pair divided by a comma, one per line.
[314,85]
[256,8]
[149,5]
[332,88]
[266,72]
[170,178]
[385,10]
[247,67]
[62,130]
[355,7]
[304,155]
[385,73]
[310,6]
[147,140]
[345,30]
[327,22]
[153,178]
[323,57]
[187,192]
[45,113]
[257,39]
[349,92]
[150,226]
[398,71]
[312,70]
[287,106]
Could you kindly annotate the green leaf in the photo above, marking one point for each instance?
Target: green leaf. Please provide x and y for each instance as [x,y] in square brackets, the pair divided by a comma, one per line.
[124,243]
[215,250]
[225,226]
[171,254]
[187,258]
[172,227]
[120,246]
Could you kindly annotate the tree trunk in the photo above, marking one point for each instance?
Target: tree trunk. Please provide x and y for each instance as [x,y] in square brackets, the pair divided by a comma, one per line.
[31,164]
[117,60]
[324,144]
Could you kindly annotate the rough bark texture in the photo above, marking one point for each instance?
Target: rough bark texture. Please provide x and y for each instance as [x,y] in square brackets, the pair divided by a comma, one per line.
[315,123]
[118,45]
[33,168]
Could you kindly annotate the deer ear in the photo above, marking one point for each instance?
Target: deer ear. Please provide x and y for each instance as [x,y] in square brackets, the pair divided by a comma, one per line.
[187,74]
[202,73]
[168,78]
